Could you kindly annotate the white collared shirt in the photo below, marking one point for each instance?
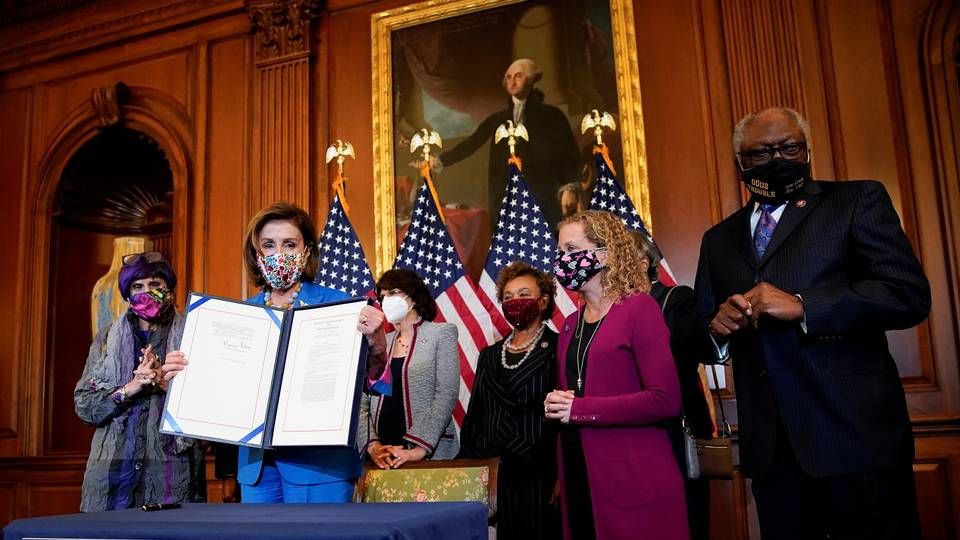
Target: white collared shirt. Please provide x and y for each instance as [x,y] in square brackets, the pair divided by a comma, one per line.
[722,350]
[755,216]
[518,106]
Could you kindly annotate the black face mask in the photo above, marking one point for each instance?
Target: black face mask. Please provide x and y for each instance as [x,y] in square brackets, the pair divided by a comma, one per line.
[776,180]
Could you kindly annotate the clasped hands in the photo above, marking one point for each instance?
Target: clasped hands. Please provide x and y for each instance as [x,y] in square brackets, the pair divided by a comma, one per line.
[147,374]
[741,310]
[557,405]
[387,456]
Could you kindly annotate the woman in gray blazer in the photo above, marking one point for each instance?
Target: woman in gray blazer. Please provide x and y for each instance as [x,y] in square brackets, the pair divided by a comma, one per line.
[408,413]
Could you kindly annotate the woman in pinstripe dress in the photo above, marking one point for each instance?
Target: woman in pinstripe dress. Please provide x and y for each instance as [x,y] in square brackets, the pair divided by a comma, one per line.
[505,417]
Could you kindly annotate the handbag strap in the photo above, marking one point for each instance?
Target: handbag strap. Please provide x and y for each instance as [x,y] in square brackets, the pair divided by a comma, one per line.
[663,306]
[725,430]
[663,311]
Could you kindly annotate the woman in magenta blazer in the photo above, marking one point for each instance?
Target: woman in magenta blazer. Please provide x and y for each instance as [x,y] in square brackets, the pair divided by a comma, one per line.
[617,381]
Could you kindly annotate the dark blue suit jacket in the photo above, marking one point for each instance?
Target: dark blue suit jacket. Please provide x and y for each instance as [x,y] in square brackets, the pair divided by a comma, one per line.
[836,387]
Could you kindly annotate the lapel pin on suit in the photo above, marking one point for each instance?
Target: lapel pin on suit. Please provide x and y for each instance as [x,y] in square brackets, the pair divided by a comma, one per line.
[800,203]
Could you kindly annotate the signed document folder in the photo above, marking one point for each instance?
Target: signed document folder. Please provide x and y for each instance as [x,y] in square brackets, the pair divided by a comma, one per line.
[263,377]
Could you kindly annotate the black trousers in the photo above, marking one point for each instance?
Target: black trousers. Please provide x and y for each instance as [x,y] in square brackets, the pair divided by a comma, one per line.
[874,505]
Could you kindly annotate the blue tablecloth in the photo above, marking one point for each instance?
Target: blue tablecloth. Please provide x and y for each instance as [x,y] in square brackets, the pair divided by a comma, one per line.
[467,520]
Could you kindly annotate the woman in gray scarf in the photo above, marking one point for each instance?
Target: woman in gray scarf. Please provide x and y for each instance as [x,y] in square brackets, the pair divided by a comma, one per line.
[121,392]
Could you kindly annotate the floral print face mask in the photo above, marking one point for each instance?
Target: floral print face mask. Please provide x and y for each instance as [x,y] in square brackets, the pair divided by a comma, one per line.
[576,268]
[281,270]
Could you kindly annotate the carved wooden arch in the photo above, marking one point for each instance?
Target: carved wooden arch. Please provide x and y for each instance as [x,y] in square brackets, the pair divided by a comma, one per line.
[142,109]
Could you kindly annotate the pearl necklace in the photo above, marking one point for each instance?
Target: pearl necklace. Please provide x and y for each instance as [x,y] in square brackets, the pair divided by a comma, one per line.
[528,345]
[286,305]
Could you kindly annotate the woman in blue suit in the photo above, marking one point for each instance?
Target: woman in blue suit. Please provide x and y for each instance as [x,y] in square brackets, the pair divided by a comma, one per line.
[281,258]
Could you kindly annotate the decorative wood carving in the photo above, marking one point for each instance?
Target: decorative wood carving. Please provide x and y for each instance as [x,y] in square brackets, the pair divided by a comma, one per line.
[281,27]
[106,102]
[281,144]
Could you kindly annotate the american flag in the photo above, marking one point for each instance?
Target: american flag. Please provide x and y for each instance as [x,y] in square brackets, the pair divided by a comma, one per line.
[608,195]
[342,263]
[522,234]
[428,250]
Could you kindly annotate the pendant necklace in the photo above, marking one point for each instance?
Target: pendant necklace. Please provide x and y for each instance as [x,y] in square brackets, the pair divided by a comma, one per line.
[579,335]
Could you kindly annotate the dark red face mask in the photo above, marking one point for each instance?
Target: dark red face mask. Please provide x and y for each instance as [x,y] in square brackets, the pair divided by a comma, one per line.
[520,312]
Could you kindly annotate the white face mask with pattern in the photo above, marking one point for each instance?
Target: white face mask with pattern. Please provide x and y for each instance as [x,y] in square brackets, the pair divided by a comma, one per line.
[395,308]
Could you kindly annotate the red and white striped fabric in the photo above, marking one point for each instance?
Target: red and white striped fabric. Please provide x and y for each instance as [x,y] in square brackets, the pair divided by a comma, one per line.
[522,234]
[609,195]
[428,250]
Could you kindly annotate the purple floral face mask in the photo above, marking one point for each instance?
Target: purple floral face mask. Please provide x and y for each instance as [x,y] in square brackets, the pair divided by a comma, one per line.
[151,306]
[576,268]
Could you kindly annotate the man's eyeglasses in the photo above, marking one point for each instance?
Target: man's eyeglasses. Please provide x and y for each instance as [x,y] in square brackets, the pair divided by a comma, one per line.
[764,154]
[149,256]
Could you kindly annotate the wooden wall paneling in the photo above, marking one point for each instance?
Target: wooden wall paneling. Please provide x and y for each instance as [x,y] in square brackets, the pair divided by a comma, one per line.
[168,72]
[124,54]
[16,109]
[8,501]
[151,112]
[67,334]
[816,81]
[725,190]
[198,191]
[41,486]
[75,31]
[931,102]
[224,201]
[281,142]
[320,126]
[933,489]
[52,499]
[680,153]
[911,347]
[730,517]
[868,102]
[350,89]
[763,56]
[937,474]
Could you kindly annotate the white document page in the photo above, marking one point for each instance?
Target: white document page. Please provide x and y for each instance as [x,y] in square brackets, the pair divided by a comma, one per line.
[320,377]
[224,391]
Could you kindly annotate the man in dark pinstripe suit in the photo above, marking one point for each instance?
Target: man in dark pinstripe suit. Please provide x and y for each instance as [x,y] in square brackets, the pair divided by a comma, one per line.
[798,288]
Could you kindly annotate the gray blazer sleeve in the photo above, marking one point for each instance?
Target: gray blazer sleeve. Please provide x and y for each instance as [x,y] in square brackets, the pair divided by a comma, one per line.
[427,433]
[366,431]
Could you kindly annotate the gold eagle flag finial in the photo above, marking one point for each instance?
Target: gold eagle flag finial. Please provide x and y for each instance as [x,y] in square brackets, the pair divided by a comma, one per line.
[511,132]
[423,141]
[597,121]
[340,150]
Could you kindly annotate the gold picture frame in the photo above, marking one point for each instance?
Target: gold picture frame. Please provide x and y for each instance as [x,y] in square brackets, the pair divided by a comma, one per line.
[384,23]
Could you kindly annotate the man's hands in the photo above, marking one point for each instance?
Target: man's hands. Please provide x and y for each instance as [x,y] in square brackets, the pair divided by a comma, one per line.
[745,309]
